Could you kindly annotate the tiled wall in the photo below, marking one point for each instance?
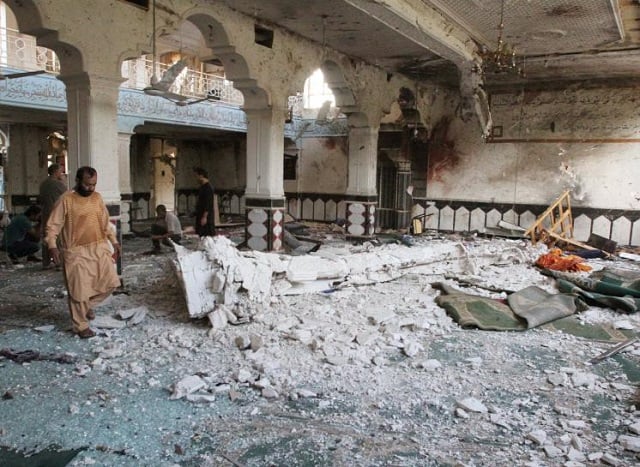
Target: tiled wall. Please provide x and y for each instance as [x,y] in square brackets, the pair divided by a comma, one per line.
[622,226]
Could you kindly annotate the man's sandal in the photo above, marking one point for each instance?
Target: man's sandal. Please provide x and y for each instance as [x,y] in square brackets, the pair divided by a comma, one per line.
[86,333]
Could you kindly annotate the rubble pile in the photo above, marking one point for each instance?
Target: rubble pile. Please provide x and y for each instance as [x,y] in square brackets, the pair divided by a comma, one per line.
[340,357]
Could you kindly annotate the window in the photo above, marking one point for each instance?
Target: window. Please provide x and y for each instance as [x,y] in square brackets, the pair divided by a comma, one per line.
[317,91]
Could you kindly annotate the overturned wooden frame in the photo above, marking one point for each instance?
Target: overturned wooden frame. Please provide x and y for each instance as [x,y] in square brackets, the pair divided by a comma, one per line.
[555,224]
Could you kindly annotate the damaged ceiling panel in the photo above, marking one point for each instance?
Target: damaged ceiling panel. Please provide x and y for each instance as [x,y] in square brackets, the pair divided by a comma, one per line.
[557,41]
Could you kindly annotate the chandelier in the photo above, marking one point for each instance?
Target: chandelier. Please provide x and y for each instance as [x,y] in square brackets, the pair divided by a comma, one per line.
[502,59]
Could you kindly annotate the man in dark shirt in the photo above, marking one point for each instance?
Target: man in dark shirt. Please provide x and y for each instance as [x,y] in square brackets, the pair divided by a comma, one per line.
[21,237]
[50,190]
[204,216]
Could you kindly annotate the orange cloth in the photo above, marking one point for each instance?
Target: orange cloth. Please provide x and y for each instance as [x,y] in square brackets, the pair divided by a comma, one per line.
[558,261]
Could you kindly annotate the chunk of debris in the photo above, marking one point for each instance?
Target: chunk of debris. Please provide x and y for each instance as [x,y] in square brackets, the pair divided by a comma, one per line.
[537,436]
[471,404]
[629,443]
[108,322]
[133,316]
[187,385]
[242,342]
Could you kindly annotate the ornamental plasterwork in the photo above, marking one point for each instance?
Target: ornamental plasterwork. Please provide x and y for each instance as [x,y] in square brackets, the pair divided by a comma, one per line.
[46,92]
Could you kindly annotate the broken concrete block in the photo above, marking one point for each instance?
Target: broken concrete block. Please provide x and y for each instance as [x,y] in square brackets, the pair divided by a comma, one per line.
[262,383]
[411,348]
[379,360]
[301,335]
[610,459]
[336,360]
[306,393]
[200,397]
[231,317]
[128,313]
[234,395]
[243,376]
[311,268]
[366,338]
[107,322]
[47,328]
[630,443]
[269,393]
[218,281]
[634,428]
[552,452]
[576,425]
[287,324]
[431,364]
[187,385]
[577,443]
[218,319]
[242,342]
[255,342]
[499,420]
[380,316]
[471,404]
[557,379]
[575,455]
[580,379]
[82,369]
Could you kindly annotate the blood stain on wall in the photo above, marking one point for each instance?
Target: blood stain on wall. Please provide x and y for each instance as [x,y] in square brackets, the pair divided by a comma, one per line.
[443,156]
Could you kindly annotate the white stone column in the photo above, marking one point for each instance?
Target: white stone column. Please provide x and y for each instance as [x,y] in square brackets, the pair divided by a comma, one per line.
[264,195]
[124,176]
[361,196]
[92,109]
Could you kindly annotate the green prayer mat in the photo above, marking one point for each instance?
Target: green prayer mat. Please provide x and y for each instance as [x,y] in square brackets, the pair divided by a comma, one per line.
[535,307]
[605,289]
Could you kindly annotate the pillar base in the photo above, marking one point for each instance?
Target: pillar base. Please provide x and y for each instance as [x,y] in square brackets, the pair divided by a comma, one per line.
[264,224]
[361,219]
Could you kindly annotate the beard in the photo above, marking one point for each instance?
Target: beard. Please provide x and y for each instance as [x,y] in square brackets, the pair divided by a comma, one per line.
[81,191]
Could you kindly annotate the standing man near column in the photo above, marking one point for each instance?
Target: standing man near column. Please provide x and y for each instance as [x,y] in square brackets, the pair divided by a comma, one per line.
[205,214]
[50,190]
[81,220]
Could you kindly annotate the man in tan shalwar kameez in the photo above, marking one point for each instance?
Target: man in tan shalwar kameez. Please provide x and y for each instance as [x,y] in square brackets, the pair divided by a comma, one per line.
[80,221]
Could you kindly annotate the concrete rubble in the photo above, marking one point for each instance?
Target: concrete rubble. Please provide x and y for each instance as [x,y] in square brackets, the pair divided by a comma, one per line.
[338,357]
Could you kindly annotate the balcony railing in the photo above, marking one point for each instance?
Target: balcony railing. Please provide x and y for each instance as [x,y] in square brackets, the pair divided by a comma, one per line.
[190,83]
[20,51]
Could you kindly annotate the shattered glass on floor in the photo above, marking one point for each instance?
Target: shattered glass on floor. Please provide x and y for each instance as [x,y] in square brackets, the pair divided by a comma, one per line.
[368,372]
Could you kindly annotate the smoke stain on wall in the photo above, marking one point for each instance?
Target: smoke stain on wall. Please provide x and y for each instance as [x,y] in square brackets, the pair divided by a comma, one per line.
[443,156]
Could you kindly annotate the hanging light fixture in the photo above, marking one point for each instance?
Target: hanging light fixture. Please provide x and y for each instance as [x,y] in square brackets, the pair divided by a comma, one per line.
[502,59]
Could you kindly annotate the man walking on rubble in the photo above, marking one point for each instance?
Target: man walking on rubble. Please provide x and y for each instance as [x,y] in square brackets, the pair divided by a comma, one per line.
[205,214]
[50,190]
[81,220]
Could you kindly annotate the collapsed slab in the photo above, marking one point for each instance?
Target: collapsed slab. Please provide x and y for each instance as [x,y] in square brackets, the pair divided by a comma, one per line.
[219,274]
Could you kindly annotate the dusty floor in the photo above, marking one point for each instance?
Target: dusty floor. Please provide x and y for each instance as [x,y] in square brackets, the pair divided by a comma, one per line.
[323,384]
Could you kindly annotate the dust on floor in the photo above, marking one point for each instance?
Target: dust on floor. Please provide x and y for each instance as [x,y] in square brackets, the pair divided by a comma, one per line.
[364,375]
